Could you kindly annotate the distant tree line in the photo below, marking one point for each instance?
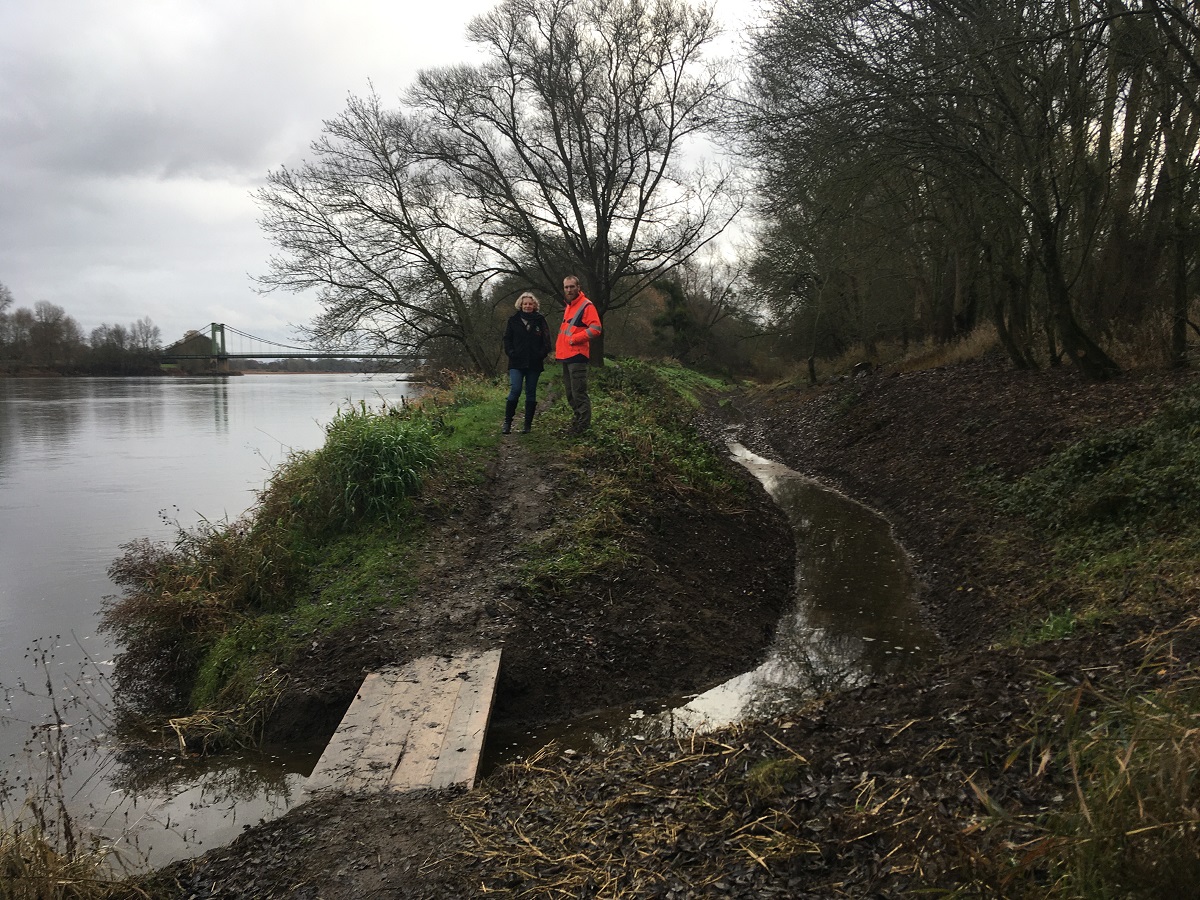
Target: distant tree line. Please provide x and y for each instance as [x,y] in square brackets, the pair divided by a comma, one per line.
[349,366]
[45,338]
[919,168]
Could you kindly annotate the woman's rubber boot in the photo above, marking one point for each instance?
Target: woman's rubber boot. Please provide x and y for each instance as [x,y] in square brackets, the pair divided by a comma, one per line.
[510,407]
[529,410]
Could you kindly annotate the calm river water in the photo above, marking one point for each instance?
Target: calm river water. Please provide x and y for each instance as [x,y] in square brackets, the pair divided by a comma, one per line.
[86,465]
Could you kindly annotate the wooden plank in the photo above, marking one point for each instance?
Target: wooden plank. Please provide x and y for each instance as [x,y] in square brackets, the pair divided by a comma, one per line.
[465,733]
[353,733]
[377,760]
[419,726]
[428,733]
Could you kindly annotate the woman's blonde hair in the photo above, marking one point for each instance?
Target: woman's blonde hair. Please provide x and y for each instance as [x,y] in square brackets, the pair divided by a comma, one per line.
[536,305]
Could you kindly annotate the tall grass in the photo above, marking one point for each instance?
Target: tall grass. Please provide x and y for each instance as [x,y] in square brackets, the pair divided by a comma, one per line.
[1127,758]
[370,463]
[1134,830]
[208,618]
[906,356]
[46,853]
[34,867]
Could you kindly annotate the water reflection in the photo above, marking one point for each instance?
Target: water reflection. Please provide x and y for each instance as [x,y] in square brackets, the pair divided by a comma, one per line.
[87,464]
[39,413]
[220,397]
[197,803]
[854,619]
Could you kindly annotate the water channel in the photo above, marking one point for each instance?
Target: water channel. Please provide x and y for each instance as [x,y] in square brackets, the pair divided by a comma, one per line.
[87,465]
[854,619]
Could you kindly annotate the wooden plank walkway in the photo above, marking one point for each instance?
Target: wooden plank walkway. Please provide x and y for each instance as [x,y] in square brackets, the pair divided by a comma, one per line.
[419,726]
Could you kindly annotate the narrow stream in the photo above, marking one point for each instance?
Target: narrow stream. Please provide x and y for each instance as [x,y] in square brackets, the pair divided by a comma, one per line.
[855,618]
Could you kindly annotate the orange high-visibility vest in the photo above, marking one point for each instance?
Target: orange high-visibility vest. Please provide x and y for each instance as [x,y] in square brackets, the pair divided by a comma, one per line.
[580,323]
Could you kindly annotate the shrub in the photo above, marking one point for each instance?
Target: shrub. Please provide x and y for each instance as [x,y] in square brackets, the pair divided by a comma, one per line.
[202,595]
[370,463]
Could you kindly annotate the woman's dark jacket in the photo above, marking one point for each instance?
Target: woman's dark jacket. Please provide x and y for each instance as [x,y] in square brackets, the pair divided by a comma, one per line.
[527,340]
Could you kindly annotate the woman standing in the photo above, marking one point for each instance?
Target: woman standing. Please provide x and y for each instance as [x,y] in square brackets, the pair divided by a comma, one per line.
[526,341]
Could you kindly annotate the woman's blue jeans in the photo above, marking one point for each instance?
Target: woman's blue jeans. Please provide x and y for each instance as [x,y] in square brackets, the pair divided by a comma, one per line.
[515,379]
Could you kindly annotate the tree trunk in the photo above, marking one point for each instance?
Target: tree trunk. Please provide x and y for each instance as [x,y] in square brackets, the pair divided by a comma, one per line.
[1083,351]
[596,349]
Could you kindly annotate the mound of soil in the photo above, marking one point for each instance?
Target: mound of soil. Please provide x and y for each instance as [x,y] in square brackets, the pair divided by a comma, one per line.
[696,607]
[700,608]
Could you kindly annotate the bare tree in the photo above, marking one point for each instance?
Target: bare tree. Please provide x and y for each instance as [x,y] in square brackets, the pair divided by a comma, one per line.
[110,337]
[145,336]
[366,223]
[55,338]
[561,152]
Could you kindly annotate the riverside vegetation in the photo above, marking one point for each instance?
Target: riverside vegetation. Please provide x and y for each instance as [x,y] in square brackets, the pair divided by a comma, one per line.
[1052,751]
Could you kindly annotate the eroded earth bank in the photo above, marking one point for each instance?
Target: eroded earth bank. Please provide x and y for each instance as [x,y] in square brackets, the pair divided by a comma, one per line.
[941,780]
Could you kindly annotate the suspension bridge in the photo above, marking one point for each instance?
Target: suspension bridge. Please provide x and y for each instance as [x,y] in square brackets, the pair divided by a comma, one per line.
[218,343]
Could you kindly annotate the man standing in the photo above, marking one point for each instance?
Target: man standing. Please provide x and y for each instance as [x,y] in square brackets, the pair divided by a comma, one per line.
[580,324]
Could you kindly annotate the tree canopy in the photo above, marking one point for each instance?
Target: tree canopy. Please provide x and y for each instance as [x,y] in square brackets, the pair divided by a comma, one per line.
[563,151]
[929,164]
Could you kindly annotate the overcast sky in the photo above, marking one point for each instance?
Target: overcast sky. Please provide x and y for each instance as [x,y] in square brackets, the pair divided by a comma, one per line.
[132,133]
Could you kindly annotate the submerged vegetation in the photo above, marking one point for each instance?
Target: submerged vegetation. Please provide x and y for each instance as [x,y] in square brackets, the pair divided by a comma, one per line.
[46,852]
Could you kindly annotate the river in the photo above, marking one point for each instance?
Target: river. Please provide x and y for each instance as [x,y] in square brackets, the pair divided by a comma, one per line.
[86,465]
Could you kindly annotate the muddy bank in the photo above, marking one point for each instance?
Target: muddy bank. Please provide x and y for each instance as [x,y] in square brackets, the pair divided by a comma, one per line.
[879,791]
[696,604]
[909,445]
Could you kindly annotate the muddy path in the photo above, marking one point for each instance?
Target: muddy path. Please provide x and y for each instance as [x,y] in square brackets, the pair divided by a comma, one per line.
[696,605]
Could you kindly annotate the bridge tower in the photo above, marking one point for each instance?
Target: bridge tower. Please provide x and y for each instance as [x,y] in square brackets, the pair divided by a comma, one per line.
[218,344]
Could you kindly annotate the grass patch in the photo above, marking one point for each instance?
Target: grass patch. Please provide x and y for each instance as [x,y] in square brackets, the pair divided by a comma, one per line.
[689,384]
[1119,513]
[772,778]
[1056,625]
[641,443]
[641,426]
[1128,757]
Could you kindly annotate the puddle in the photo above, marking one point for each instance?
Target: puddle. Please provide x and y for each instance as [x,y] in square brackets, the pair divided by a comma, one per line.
[854,619]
